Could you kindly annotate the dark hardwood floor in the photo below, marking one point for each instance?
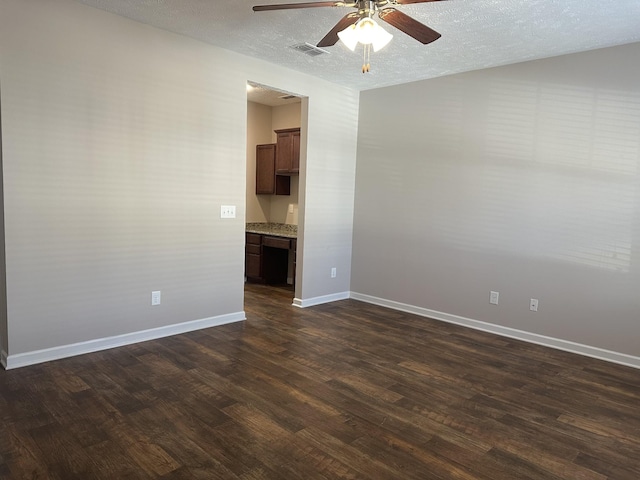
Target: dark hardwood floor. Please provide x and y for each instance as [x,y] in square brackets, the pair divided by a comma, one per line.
[344,390]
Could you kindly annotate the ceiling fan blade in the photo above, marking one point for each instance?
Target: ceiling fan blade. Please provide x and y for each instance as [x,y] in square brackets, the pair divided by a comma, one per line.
[332,37]
[405,2]
[408,25]
[288,6]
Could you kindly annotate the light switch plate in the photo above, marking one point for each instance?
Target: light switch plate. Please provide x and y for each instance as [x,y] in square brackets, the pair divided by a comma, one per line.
[227,211]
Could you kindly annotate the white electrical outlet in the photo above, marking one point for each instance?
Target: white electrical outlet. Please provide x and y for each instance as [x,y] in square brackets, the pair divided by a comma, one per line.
[291,208]
[533,305]
[334,272]
[227,211]
[155,297]
[493,297]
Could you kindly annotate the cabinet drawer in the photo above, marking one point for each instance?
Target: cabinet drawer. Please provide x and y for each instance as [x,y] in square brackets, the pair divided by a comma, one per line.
[277,242]
[254,238]
[252,249]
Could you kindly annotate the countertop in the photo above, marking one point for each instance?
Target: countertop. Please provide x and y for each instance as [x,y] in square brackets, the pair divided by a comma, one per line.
[276,229]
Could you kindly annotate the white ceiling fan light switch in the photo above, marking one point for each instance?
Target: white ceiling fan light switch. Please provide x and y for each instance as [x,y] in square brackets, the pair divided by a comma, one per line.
[227,211]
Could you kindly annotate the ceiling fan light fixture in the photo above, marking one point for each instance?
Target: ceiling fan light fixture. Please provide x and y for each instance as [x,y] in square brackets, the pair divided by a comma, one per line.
[381,39]
[367,32]
[349,37]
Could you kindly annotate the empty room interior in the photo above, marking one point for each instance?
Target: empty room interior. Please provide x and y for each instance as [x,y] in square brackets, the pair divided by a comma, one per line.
[233,248]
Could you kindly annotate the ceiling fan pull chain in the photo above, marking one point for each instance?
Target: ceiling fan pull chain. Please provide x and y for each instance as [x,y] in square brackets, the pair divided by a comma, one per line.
[364,58]
[366,55]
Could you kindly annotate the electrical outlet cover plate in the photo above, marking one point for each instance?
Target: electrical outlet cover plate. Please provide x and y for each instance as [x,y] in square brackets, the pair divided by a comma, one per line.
[493,298]
[533,305]
[155,297]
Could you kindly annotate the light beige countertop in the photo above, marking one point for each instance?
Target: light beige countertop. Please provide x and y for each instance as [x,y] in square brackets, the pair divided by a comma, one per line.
[276,229]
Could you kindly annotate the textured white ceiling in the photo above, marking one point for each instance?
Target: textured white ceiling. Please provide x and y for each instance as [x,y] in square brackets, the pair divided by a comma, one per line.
[475,33]
[268,96]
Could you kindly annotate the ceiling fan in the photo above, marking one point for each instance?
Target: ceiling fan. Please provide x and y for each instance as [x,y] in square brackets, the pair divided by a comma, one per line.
[359,26]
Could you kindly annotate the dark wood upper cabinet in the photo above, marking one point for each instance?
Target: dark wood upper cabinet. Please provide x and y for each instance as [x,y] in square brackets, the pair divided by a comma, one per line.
[267,182]
[288,151]
[295,157]
[265,169]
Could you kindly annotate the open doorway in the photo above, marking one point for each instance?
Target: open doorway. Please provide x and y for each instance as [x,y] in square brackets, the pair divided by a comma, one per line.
[274,120]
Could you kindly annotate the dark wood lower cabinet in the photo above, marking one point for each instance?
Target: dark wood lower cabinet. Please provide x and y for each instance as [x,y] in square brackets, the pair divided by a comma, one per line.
[253,256]
[267,258]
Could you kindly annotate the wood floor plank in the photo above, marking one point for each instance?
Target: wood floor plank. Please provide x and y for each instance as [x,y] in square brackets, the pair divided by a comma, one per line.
[342,390]
[21,455]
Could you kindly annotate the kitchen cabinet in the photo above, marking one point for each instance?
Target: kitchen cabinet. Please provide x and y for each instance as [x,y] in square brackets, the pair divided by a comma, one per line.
[267,182]
[288,151]
[253,256]
[267,258]
[265,169]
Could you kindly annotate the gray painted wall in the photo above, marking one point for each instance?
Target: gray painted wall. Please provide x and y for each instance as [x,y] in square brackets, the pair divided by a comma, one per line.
[523,179]
[258,207]
[4,334]
[121,142]
[326,194]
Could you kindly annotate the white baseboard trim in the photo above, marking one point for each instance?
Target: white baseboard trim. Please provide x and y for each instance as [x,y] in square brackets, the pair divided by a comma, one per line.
[3,358]
[557,343]
[64,351]
[310,302]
